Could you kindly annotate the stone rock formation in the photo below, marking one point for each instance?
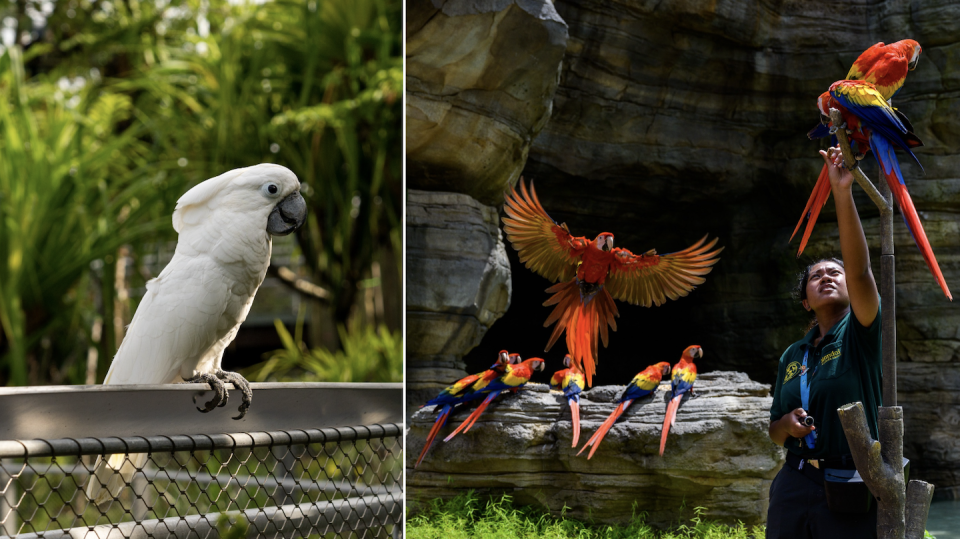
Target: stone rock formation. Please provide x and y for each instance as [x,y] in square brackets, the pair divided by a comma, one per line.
[458,284]
[718,454]
[480,82]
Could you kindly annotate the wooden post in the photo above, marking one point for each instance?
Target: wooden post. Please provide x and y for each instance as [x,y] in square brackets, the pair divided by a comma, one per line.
[880,463]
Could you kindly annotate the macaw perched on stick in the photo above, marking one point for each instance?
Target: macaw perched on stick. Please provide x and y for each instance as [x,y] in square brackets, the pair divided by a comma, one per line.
[594,273]
[515,377]
[875,125]
[684,374]
[570,381]
[643,384]
[859,143]
[463,390]
[884,66]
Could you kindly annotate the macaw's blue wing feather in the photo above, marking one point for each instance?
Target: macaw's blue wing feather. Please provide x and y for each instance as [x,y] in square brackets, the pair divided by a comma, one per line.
[883,123]
[886,157]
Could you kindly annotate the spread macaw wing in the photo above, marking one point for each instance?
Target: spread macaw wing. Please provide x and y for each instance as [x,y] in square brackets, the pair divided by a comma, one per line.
[544,246]
[651,279]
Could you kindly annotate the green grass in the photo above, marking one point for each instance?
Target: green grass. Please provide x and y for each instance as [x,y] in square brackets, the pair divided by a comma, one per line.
[469,515]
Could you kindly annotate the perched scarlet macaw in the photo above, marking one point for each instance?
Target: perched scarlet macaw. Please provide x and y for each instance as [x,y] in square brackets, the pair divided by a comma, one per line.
[876,126]
[570,381]
[463,390]
[886,66]
[684,374]
[643,384]
[593,273]
[513,378]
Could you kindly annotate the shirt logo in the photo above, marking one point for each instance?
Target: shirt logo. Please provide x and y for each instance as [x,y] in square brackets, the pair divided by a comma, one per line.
[792,370]
[830,357]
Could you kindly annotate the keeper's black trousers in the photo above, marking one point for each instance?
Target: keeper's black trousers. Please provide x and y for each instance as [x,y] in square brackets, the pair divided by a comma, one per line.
[798,510]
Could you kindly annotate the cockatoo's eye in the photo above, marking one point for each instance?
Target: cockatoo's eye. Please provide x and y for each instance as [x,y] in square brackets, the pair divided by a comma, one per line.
[270,189]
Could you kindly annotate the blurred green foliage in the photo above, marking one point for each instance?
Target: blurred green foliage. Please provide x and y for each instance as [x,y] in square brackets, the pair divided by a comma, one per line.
[110,110]
[367,355]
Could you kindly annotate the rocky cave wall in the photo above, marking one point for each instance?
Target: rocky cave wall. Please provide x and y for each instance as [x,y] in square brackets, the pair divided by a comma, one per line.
[676,119]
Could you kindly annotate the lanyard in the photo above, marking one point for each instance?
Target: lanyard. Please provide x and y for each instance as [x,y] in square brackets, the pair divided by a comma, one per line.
[810,439]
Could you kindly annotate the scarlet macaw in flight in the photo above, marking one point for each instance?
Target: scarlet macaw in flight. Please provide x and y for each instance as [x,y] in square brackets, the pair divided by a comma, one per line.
[594,273]
[570,381]
[884,66]
[684,374]
[643,384]
[515,377]
[463,390]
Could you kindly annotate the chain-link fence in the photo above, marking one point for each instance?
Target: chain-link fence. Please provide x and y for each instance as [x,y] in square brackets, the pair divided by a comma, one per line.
[120,461]
[343,482]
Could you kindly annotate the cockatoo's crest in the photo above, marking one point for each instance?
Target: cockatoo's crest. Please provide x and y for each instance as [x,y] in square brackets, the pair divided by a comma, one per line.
[190,207]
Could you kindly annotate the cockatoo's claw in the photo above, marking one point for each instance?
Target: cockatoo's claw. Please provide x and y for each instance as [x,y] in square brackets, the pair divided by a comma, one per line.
[220,394]
[241,384]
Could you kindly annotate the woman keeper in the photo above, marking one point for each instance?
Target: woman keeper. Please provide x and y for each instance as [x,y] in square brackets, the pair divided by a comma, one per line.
[836,363]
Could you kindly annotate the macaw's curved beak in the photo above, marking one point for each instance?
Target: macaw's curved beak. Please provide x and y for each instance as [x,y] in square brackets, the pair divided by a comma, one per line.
[287,215]
[698,353]
[913,63]
[541,365]
[607,244]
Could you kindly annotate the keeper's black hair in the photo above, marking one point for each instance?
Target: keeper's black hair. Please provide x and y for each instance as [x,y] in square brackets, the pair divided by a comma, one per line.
[800,290]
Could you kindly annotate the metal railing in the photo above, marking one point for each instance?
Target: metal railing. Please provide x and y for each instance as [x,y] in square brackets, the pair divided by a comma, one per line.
[296,480]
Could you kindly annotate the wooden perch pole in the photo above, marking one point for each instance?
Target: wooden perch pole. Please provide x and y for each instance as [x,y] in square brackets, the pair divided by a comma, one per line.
[901,512]
[880,463]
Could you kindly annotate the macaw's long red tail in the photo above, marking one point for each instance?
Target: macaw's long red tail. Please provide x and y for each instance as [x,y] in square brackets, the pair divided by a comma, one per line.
[890,168]
[818,198]
[437,425]
[575,414]
[472,418]
[668,420]
[582,321]
[604,428]
[912,220]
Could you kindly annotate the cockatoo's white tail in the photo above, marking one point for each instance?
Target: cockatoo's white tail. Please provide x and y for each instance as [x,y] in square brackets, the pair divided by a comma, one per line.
[109,479]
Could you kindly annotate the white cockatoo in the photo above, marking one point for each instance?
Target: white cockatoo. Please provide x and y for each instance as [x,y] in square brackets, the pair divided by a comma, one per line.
[193,309]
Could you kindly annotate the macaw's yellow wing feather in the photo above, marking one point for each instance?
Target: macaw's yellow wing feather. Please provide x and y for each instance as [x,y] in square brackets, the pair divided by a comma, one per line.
[651,279]
[543,246]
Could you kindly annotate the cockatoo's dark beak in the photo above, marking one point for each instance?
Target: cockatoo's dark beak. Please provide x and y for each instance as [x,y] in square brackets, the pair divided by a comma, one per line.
[287,216]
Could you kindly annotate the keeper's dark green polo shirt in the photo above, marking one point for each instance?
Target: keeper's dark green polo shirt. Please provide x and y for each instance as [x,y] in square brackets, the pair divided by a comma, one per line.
[844,367]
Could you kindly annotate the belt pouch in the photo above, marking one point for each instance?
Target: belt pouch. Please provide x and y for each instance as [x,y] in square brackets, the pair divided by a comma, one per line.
[846,492]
